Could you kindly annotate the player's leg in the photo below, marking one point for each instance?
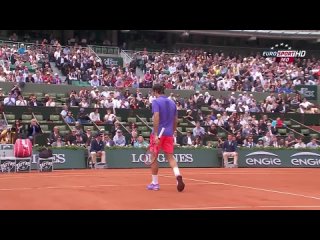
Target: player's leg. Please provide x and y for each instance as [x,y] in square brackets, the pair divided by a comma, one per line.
[167,146]
[154,149]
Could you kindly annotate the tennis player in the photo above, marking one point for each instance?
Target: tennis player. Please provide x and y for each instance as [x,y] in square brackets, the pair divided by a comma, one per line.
[165,115]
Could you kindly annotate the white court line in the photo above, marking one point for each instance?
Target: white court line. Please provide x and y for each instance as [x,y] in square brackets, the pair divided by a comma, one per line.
[235,207]
[248,187]
[90,186]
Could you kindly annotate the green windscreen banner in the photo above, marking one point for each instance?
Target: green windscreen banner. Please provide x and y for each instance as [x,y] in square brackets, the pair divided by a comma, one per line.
[132,158]
[310,92]
[282,158]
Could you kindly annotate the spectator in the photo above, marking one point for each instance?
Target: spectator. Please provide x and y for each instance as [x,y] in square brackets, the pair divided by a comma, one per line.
[33,130]
[140,142]
[176,139]
[313,143]
[188,139]
[69,118]
[64,111]
[108,141]
[119,139]
[21,101]
[83,117]
[54,134]
[249,143]
[95,116]
[58,142]
[290,141]
[299,143]
[198,130]
[109,118]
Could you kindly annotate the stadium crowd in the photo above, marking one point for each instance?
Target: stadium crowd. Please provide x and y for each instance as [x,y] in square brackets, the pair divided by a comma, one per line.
[187,70]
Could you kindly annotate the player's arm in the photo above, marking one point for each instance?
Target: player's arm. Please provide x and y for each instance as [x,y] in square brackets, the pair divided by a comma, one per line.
[175,120]
[156,119]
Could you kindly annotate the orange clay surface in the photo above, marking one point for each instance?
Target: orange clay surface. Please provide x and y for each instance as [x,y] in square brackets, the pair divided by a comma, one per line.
[206,188]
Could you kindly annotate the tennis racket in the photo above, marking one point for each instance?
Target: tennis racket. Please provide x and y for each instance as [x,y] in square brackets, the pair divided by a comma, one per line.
[148,158]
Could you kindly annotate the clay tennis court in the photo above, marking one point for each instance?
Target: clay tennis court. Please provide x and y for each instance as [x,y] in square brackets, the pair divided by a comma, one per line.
[207,189]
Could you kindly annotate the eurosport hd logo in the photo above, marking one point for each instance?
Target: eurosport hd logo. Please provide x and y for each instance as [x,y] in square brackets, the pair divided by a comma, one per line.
[283,53]
[305,159]
[263,159]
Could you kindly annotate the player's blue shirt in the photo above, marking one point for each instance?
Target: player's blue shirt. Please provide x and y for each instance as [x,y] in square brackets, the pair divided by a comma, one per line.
[168,112]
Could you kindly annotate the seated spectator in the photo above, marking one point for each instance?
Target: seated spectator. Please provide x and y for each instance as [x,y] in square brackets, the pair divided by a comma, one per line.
[108,141]
[249,143]
[95,116]
[21,101]
[140,142]
[33,129]
[313,143]
[307,107]
[290,141]
[71,137]
[119,139]
[50,102]
[79,140]
[109,118]
[188,139]
[260,144]
[197,142]
[83,117]
[134,137]
[198,130]
[176,139]
[219,121]
[54,134]
[213,130]
[64,111]
[10,100]
[189,116]
[299,143]
[58,142]
[274,142]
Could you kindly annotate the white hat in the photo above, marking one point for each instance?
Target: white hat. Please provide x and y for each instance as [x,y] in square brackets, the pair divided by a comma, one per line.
[232,93]
[189,110]
[240,95]
[56,74]
[197,92]
[206,93]
[218,115]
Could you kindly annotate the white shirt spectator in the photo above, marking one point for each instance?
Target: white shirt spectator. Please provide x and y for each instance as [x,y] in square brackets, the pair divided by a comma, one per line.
[21,102]
[119,139]
[300,145]
[95,83]
[94,117]
[9,101]
[296,82]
